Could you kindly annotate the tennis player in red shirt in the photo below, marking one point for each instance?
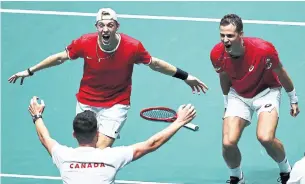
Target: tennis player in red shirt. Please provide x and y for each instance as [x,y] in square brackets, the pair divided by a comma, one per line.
[251,77]
[109,58]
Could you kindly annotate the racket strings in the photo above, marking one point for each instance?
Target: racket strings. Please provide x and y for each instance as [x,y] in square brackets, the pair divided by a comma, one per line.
[159,114]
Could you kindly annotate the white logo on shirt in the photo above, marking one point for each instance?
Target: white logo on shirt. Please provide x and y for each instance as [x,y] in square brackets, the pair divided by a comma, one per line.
[268,63]
[251,68]
[217,69]
[86,165]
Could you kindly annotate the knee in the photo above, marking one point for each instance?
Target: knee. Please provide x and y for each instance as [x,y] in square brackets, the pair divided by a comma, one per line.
[232,130]
[229,142]
[265,139]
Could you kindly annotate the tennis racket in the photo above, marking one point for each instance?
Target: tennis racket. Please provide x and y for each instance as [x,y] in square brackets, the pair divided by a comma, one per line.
[164,114]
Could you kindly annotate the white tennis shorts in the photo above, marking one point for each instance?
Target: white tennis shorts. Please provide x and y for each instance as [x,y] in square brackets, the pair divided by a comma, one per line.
[110,120]
[244,108]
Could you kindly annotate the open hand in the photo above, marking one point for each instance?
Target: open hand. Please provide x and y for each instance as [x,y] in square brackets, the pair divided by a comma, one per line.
[35,108]
[186,113]
[22,74]
[196,84]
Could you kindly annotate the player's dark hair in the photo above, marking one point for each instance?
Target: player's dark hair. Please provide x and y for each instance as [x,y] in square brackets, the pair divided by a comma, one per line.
[85,127]
[234,20]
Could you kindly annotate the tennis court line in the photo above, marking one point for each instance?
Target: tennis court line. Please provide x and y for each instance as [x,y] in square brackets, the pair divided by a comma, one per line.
[127,16]
[59,178]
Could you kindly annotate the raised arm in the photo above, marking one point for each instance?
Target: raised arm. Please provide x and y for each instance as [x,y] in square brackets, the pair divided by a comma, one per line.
[36,111]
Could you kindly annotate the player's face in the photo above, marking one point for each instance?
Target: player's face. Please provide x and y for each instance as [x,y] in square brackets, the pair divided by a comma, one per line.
[230,38]
[107,30]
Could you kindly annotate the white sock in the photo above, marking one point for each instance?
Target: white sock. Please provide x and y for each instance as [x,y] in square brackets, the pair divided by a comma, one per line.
[237,172]
[284,166]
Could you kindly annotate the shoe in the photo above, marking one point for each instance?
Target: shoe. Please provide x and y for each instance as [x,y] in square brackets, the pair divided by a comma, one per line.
[236,180]
[284,177]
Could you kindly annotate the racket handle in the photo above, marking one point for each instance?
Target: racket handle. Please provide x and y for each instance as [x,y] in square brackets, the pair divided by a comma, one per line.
[192,126]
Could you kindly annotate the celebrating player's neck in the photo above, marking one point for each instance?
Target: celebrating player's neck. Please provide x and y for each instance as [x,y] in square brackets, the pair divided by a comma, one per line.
[112,45]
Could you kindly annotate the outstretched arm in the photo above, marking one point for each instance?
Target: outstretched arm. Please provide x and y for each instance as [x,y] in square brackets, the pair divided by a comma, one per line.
[53,60]
[168,69]
[164,67]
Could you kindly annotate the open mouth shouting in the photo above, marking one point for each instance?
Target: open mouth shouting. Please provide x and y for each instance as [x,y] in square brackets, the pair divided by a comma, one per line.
[228,47]
[106,39]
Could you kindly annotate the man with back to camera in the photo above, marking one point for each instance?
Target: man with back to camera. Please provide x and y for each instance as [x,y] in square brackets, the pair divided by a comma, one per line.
[251,77]
[88,164]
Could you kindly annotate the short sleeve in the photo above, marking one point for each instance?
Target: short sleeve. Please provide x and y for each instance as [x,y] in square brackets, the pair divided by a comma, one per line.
[75,49]
[142,55]
[271,58]
[58,152]
[121,156]
[216,61]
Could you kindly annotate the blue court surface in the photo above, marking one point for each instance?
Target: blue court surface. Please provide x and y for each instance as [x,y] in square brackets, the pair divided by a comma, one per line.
[182,33]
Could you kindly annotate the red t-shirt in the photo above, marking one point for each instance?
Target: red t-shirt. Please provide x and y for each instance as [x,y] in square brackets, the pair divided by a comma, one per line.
[107,77]
[251,73]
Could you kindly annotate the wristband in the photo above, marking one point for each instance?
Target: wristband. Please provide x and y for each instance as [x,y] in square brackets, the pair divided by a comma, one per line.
[180,74]
[225,100]
[36,117]
[30,73]
[293,97]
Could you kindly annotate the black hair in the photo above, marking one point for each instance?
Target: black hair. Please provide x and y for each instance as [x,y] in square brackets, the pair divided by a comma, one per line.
[85,127]
[234,20]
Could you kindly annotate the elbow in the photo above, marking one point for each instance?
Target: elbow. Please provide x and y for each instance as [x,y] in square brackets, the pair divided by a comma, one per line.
[144,148]
[54,59]
[153,67]
[60,58]
[155,64]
